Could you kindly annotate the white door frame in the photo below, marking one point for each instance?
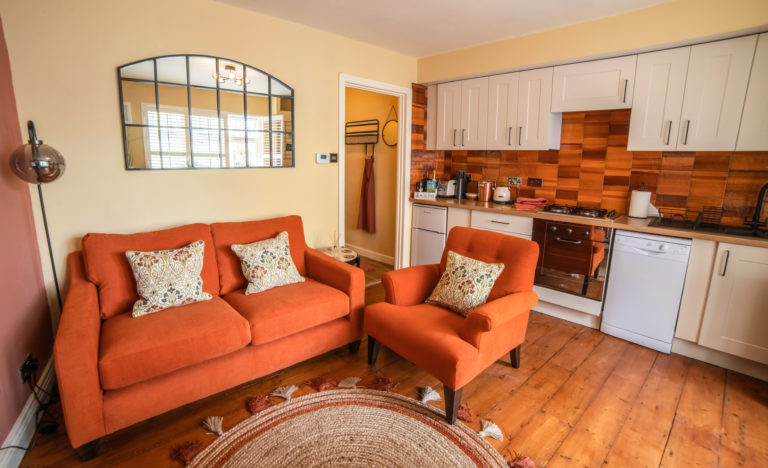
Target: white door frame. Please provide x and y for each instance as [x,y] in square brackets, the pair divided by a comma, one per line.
[403,220]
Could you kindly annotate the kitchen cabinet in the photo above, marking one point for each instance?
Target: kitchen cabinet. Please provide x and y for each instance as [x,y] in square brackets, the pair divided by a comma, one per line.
[753,132]
[519,114]
[427,234]
[697,276]
[519,226]
[736,317]
[457,217]
[462,114]
[718,74]
[431,130]
[658,100]
[595,85]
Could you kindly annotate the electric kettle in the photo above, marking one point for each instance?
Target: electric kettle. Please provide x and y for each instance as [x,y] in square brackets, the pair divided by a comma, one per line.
[502,194]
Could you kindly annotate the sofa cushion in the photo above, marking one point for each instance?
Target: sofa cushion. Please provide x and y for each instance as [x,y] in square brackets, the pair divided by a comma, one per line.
[283,311]
[226,234]
[267,264]
[107,267]
[137,349]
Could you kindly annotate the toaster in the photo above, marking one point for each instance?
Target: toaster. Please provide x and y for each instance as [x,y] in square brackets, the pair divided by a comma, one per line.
[446,188]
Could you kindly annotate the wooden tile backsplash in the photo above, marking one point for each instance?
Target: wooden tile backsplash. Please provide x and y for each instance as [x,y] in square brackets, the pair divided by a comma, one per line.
[594,168]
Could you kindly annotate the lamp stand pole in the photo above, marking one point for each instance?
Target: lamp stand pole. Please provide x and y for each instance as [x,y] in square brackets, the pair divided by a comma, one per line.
[50,250]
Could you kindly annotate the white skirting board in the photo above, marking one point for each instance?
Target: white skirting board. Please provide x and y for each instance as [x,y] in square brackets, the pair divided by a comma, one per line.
[389,260]
[24,428]
[717,358]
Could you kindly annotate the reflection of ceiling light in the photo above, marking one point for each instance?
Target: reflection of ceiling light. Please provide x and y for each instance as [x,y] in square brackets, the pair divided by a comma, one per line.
[230,75]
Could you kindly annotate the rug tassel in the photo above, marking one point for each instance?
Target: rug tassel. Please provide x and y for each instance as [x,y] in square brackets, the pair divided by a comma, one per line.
[490,430]
[428,394]
[256,404]
[321,383]
[521,461]
[214,424]
[349,382]
[186,451]
[284,392]
[465,414]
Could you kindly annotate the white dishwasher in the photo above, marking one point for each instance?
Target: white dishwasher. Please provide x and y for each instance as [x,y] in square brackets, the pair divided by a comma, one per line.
[645,285]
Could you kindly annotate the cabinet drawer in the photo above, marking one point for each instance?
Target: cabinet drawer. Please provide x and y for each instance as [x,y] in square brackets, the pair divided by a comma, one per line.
[508,224]
[429,218]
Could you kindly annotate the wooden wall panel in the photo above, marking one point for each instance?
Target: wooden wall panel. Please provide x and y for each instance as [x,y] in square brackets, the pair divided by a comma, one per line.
[594,168]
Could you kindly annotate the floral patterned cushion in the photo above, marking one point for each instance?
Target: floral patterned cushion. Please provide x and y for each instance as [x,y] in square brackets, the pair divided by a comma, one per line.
[267,264]
[167,278]
[465,284]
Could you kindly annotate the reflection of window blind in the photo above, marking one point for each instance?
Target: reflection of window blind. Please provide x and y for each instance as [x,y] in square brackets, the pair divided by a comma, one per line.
[205,141]
[172,141]
[276,141]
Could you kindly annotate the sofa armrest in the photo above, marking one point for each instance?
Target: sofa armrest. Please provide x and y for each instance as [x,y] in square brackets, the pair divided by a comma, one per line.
[346,278]
[76,355]
[495,315]
[410,286]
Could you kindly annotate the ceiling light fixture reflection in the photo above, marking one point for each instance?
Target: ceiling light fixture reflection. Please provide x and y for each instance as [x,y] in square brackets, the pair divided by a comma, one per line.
[230,75]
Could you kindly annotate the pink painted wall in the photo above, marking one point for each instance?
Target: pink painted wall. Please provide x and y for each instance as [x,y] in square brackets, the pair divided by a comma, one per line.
[25,324]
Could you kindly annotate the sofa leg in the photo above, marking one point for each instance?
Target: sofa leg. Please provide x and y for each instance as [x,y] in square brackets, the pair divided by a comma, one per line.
[374,346]
[354,346]
[88,451]
[514,357]
[452,403]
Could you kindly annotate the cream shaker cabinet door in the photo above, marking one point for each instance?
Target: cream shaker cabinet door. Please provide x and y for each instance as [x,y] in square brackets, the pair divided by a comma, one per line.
[448,115]
[753,132]
[658,100]
[474,114]
[595,85]
[736,315]
[538,128]
[502,111]
[718,74]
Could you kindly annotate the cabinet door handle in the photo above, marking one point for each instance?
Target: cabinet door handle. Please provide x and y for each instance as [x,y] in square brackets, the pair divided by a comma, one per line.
[462,137]
[624,96]
[519,136]
[454,137]
[725,262]
[686,124]
[499,222]
[669,131]
[509,136]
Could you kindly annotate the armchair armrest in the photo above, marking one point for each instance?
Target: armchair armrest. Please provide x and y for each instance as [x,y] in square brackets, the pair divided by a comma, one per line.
[410,286]
[496,314]
[346,278]
[76,356]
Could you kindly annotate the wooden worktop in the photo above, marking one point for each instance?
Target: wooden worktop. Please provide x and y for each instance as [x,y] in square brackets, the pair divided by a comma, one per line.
[622,222]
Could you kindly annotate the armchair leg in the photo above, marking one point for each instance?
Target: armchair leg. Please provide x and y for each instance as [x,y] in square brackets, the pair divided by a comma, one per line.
[514,357]
[88,451]
[374,346]
[452,403]
[354,346]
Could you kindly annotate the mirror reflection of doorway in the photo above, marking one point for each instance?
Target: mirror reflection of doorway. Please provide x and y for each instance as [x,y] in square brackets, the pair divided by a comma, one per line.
[377,246]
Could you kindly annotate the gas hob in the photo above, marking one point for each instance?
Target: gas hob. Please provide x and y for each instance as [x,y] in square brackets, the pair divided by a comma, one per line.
[581,211]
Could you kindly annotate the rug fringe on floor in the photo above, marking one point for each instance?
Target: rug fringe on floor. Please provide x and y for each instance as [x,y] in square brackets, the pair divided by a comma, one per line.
[256,404]
[465,414]
[284,392]
[321,383]
[349,382]
[383,383]
[428,394]
[213,424]
[521,461]
[186,451]
[491,430]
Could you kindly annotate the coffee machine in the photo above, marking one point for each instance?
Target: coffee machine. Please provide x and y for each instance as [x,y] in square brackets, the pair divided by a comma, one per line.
[461,184]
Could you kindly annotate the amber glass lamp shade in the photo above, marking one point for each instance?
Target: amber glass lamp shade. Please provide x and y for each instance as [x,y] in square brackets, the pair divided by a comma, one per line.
[35,162]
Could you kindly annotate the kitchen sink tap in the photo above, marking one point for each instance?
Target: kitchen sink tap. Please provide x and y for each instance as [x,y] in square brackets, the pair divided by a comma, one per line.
[755,222]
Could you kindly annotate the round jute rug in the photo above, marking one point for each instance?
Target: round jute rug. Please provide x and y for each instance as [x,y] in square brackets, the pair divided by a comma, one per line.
[349,428]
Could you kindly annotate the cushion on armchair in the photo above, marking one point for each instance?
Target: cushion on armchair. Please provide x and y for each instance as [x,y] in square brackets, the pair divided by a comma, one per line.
[465,283]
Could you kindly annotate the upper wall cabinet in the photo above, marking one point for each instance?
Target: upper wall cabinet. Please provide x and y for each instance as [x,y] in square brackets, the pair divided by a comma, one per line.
[519,114]
[718,74]
[658,100]
[596,85]
[462,114]
[753,133]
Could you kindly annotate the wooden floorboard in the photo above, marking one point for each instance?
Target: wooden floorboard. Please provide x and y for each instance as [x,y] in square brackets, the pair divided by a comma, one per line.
[579,398]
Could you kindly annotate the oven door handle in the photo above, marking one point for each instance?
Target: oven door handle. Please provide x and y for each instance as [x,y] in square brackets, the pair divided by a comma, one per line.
[568,240]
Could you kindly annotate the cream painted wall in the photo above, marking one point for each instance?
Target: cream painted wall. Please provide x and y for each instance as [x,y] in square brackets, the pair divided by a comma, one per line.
[658,25]
[364,105]
[64,57]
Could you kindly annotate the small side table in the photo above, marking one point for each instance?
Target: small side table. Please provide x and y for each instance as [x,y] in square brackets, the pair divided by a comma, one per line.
[342,253]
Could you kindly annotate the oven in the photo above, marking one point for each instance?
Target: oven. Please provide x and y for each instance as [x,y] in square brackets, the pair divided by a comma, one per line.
[573,257]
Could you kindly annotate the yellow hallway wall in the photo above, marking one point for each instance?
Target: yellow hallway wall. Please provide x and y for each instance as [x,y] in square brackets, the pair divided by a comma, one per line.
[679,20]
[64,56]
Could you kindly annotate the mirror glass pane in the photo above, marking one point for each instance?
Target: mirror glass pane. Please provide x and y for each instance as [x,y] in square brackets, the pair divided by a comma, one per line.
[172,70]
[169,124]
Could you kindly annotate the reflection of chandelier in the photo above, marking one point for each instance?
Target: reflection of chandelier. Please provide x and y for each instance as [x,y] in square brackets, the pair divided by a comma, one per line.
[230,75]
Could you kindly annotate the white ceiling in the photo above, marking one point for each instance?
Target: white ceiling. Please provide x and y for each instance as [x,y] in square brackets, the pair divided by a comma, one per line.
[421,28]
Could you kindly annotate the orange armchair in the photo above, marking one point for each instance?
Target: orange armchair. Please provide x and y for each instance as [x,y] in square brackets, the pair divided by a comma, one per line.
[453,348]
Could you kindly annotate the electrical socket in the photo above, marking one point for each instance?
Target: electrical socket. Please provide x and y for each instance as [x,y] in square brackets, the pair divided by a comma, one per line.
[515,180]
[28,368]
[534,182]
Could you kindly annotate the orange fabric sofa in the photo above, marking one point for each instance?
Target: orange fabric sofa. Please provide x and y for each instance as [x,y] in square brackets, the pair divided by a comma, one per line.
[114,370]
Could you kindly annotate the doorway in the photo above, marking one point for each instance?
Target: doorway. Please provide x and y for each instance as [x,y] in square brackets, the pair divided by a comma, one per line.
[363,100]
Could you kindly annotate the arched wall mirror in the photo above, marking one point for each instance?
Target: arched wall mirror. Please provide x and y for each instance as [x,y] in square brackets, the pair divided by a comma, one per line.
[196,111]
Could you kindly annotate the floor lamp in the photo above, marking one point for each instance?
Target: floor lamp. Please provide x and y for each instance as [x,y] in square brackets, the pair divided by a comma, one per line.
[39,164]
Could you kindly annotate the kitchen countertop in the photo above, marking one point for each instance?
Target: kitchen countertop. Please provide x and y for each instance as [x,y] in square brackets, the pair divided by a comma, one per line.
[622,222]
